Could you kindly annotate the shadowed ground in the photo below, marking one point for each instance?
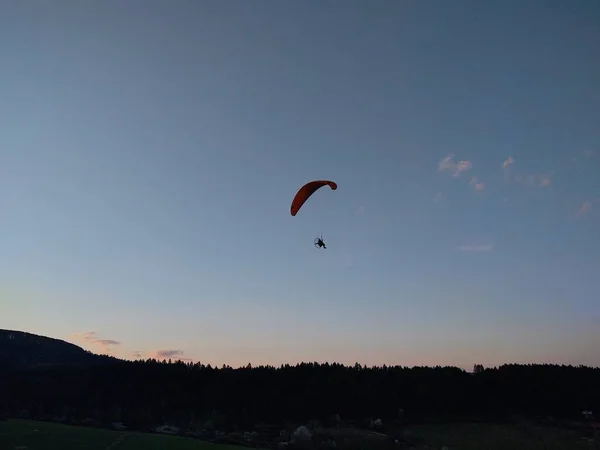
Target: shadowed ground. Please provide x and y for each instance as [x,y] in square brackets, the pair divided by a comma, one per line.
[499,437]
[31,435]
[50,436]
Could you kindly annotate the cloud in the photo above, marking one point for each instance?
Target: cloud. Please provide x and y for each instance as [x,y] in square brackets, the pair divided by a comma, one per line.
[106,342]
[86,336]
[584,208]
[92,338]
[438,197]
[510,160]
[166,354]
[361,209]
[447,163]
[477,185]
[476,248]
[588,153]
[176,355]
[541,180]
[461,166]
[544,180]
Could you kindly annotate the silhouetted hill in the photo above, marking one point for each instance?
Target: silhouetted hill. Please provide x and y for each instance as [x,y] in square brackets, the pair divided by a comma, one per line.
[21,350]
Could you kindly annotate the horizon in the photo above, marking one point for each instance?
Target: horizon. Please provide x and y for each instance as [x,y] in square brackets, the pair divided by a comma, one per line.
[150,155]
[175,359]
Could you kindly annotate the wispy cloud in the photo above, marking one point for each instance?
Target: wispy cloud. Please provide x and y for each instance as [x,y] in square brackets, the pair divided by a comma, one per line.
[169,354]
[360,210]
[106,342]
[475,248]
[92,338]
[584,208]
[438,197]
[462,166]
[457,168]
[136,354]
[545,180]
[446,164]
[507,162]
[477,184]
[541,180]
[86,335]
[588,153]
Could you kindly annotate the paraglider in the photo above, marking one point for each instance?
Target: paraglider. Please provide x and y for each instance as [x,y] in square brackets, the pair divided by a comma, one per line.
[306,191]
[304,194]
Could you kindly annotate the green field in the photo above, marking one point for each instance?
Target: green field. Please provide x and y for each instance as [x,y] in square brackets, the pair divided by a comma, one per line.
[33,435]
[51,436]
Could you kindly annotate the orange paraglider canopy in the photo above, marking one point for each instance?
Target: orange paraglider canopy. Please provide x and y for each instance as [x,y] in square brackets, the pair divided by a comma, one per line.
[306,191]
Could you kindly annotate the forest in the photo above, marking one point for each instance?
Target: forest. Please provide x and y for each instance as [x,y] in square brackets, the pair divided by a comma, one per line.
[148,393]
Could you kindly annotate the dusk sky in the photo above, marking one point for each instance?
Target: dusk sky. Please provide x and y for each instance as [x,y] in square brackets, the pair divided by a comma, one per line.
[150,150]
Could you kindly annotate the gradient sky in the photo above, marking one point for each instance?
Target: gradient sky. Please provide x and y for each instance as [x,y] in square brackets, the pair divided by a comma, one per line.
[150,150]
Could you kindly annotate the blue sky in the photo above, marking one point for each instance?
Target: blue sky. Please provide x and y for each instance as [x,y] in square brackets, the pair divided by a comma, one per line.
[150,151]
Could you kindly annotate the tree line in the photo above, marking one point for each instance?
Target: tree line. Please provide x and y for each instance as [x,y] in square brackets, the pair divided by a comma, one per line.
[147,393]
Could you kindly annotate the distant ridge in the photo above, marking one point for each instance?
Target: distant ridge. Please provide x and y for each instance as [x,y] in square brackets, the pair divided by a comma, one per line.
[22,350]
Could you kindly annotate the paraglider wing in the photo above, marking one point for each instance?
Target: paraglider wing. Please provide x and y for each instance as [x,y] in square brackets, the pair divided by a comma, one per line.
[306,191]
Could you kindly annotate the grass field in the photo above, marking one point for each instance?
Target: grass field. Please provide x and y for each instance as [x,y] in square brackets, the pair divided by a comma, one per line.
[51,436]
[500,437]
[15,434]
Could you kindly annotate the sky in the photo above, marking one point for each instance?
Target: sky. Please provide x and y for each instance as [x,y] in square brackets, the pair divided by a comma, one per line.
[150,150]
